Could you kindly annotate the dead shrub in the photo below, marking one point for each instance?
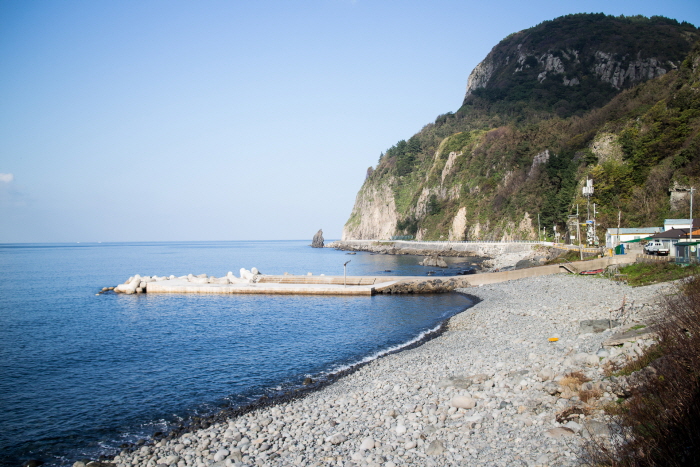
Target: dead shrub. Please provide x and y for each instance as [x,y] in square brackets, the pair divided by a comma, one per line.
[659,423]
[589,395]
[572,413]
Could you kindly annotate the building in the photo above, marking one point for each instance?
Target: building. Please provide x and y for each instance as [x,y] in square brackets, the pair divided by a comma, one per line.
[681,224]
[612,238]
[687,252]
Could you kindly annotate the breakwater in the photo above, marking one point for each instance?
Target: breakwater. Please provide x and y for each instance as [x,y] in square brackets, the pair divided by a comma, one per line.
[256,283]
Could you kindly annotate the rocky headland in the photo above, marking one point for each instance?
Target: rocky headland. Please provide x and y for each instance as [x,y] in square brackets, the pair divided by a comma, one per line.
[405,248]
[488,256]
[517,379]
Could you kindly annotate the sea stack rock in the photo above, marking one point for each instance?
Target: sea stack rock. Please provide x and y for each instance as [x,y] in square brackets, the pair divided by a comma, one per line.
[317,242]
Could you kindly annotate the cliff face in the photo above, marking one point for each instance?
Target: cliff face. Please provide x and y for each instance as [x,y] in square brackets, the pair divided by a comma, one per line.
[548,107]
[570,67]
[374,214]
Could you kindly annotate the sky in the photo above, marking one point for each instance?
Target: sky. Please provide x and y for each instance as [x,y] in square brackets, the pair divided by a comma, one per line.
[229,120]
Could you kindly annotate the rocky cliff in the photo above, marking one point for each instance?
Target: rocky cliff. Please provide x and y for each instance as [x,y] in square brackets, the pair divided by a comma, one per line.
[579,96]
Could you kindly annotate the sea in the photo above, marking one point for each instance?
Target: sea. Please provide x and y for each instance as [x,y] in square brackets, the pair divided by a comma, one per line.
[82,374]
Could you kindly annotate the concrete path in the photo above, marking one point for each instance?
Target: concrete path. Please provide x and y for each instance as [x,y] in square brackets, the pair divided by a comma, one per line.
[183,286]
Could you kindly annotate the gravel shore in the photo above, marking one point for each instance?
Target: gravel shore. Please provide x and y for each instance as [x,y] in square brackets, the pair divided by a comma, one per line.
[492,390]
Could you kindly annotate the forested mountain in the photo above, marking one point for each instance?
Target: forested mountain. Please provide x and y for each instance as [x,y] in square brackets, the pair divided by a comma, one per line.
[614,99]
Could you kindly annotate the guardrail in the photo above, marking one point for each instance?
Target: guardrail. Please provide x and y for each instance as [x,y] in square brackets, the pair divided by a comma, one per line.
[531,242]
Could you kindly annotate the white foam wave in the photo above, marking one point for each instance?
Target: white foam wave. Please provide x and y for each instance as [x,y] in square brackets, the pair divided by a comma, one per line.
[382,353]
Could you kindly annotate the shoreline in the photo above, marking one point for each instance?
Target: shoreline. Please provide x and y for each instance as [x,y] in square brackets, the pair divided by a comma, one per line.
[296,392]
[399,409]
[486,257]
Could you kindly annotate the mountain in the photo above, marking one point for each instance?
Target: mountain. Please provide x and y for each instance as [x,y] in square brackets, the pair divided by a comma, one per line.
[614,99]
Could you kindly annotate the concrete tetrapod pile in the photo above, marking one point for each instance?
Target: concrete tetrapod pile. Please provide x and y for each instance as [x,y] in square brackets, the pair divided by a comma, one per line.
[137,283]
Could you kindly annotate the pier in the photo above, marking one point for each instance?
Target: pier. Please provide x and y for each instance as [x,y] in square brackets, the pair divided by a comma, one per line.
[280,285]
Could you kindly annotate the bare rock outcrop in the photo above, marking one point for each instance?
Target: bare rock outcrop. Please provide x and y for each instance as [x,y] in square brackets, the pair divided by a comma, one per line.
[434,261]
[317,241]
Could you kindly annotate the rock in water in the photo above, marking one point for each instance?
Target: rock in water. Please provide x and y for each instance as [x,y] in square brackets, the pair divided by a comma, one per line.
[434,261]
[317,242]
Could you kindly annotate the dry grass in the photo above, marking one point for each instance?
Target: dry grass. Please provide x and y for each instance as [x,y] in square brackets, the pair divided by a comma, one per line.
[573,380]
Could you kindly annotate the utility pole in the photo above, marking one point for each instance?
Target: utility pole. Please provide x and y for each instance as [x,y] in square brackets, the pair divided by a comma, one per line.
[578,234]
[588,192]
[595,232]
[578,227]
[619,216]
[538,227]
[692,190]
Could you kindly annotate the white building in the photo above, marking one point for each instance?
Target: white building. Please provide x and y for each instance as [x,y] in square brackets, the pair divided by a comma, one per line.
[677,224]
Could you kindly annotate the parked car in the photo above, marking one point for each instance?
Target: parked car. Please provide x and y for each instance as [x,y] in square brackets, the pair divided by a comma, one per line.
[656,247]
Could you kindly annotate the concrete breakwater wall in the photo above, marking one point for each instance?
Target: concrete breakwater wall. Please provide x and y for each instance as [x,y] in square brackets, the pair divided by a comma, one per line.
[455,249]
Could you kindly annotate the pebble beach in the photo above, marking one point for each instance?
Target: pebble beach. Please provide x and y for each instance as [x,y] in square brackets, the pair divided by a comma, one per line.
[494,389]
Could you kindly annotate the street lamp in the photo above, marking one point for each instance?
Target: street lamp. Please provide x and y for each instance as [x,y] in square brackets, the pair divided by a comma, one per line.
[345,270]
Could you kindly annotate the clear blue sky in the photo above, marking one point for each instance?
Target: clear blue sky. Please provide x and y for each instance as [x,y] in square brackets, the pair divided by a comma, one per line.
[228,120]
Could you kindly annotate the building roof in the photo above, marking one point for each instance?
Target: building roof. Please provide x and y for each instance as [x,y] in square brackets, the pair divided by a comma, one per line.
[696,222]
[635,230]
[637,240]
[672,233]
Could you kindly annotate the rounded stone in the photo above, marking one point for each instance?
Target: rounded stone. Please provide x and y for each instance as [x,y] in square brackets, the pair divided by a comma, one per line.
[463,402]
[221,454]
[367,444]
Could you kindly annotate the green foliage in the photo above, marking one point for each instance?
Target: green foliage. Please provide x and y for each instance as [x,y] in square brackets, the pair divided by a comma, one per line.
[652,273]
[613,183]
[560,189]
[403,155]
[660,133]
[409,225]
[456,143]
[434,205]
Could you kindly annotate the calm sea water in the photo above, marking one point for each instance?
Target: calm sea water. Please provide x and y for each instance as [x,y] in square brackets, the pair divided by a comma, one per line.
[81,374]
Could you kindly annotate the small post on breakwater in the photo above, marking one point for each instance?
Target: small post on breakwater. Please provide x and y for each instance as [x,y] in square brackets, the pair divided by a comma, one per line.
[345,273]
